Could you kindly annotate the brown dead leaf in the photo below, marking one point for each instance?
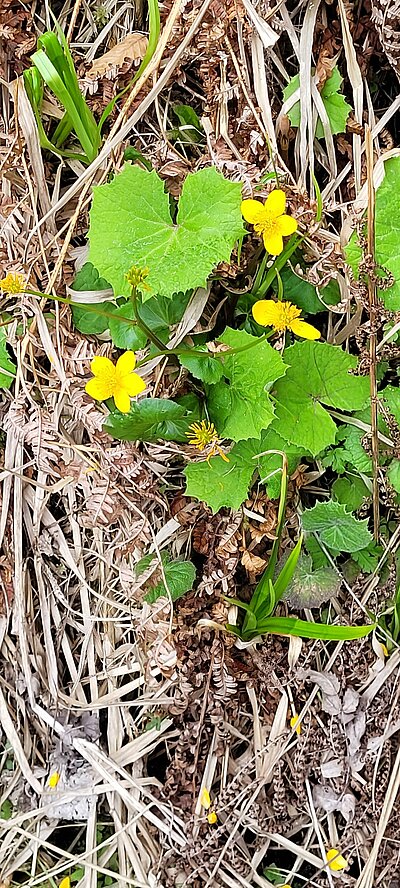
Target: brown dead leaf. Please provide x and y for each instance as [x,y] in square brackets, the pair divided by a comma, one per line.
[252,563]
[325,66]
[133,48]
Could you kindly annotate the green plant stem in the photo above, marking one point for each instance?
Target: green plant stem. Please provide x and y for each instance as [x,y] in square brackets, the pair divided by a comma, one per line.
[163,352]
[141,324]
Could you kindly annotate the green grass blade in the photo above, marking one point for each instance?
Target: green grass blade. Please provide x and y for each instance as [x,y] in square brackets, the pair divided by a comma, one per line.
[286,574]
[303,629]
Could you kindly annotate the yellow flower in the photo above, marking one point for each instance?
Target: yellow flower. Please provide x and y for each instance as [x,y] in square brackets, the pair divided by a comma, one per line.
[13,283]
[203,434]
[53,779]
[335,860]
[283,316]
[205,800]
[270,220]
[115,381]
[212,817]
[136,277]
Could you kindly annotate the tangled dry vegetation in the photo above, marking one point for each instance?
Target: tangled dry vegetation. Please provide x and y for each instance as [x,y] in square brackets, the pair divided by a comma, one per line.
[136,706]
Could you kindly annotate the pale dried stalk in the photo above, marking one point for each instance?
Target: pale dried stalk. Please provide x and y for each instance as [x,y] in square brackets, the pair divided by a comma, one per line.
[369,151]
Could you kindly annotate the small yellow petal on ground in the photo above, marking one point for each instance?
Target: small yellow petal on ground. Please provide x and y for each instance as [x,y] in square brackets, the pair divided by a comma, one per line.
[336,861]
[212,817]
[53,779]
[205,800]
[65,883]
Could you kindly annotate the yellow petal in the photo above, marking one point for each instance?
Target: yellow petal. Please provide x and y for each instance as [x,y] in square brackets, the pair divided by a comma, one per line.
[294,723]
[65,883]
[335,860]
[265,312]
[276,202]
[122,400]
[273,242]
[53,779]
[253,211]
[126,363]
[102,366]
[100,389]
[286,225]
[205,800]
[306,331]
[212,817]
[133,384]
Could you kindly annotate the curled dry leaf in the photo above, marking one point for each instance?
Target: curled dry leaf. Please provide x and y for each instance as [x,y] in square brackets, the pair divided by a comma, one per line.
[326,798]
[133,48]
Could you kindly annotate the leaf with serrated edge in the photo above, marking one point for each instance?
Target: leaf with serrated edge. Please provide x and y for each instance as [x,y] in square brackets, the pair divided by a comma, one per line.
[311,588]
[218,483]
[130,224]
[241,407]
[318,372]
[337,528]
[151,419]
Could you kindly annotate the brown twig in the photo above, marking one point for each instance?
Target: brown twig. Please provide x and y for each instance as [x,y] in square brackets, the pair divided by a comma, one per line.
[369,151]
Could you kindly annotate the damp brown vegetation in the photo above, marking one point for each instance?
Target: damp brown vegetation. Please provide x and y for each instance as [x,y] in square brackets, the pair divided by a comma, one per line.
[139,706]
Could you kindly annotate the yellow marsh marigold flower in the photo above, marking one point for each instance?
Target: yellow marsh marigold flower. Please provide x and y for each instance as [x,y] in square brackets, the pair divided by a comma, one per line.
[283,316]
[204,434]
[335,860]
[136,277]
[116,381]
[13,283]
[270,220]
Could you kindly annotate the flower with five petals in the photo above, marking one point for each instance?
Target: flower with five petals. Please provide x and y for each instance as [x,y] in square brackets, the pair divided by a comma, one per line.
[116,381]
[283,316]
[270,220]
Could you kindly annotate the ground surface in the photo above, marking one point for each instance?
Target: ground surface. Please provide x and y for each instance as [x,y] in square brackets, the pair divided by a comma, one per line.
[139,706]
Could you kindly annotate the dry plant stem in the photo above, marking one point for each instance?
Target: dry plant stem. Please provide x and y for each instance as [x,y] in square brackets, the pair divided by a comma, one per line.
[73,19]
[369,151]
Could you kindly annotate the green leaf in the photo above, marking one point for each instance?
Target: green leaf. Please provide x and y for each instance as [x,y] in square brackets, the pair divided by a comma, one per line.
[125,335]
[393,474]
[151,419]
[337,528]
[209,369]
[392,398]
[350,491]
[349,453]
[387,234]
[218,483]
[303,629]
[311,588]
[85,317]
[88,278]
[179,575]
[301,293]
[241,406]
[368,558]
[160,313]
[271,462]
[335,104]
[7,368]
[318,556]
[318,372]
[131,225]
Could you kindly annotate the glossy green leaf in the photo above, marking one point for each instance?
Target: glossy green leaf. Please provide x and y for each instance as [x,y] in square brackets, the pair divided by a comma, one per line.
[319,374]
[125,334]
[152,419]
[241,407]
[131,225]
[304,629]
[218,483]
[209,370]
[179,575]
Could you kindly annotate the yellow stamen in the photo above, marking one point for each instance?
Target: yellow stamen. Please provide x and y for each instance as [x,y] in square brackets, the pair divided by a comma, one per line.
[136,277]
[13,283]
